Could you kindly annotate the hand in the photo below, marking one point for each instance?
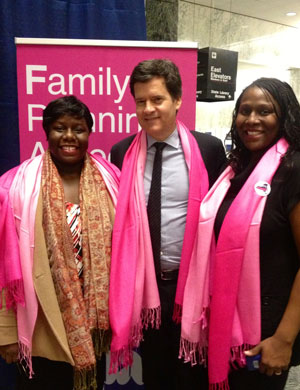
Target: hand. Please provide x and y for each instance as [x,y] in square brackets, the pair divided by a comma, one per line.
[275,355]
[9,352]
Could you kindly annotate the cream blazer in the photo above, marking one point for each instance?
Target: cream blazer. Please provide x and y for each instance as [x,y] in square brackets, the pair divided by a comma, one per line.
[49,337]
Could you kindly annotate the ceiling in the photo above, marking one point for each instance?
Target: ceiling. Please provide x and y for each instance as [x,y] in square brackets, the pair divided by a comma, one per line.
[270,10]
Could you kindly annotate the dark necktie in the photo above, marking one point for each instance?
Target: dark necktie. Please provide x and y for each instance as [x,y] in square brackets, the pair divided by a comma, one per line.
[154,205]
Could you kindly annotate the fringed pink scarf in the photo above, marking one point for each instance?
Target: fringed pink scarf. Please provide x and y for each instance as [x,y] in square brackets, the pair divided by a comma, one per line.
[20,188]
[134,298]
[10,276]
[23,197]
[221,307]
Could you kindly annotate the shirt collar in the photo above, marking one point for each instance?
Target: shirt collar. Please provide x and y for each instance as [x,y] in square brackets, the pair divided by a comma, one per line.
[172,140]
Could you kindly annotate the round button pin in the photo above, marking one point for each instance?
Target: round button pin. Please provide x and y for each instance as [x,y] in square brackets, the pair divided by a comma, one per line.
[262,188]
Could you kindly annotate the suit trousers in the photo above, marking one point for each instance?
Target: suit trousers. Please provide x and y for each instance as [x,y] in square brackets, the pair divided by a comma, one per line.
[162,370]
[53,375]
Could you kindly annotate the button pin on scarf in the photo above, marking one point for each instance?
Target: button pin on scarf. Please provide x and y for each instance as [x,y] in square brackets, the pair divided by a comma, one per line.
[262,188]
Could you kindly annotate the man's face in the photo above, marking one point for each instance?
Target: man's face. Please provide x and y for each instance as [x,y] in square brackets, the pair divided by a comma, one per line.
[155,108]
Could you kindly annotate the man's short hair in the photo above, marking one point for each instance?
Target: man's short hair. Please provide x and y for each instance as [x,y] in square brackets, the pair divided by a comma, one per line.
[147,70]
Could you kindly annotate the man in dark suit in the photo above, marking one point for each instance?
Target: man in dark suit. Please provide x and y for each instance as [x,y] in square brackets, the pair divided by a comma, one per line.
[189,165]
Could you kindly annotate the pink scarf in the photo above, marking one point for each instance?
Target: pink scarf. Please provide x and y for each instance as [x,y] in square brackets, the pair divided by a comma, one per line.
[22,186]
[134,298]
[222,293]
[10,275]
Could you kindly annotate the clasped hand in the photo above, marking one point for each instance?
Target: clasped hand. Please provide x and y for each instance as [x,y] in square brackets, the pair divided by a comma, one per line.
[275,355]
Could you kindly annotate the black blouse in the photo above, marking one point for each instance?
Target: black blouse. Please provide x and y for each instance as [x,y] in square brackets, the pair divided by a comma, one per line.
[279,260]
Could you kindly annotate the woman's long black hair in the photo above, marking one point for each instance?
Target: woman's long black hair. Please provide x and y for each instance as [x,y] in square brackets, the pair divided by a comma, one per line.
[289,119]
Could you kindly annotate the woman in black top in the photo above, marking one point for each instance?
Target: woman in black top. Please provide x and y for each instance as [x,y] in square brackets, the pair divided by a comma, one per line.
[266,111]
[242,293]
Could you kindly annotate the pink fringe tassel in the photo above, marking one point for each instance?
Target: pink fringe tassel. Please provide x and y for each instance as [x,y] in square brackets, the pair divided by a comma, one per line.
[123,357]
[219,386]
[193,352]
[25,358]
[120,359]
[237,360]
[196,352]
[151,317]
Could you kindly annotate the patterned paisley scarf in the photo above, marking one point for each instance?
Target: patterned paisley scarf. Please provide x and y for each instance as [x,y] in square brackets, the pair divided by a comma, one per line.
[84,311]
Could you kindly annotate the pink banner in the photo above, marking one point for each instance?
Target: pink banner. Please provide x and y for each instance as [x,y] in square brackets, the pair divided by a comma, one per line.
[99,76]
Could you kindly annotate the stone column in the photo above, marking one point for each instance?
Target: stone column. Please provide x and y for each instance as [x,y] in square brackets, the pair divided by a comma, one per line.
[162,20]
[295,81]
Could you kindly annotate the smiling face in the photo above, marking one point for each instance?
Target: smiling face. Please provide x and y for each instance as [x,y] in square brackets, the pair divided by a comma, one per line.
[257,122]
[155,108]
[68,141]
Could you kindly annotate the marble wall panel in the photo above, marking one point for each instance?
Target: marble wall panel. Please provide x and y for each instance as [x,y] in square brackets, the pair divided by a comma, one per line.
[295,84]
[257,41]
[202,26]
[186,21]
[220,4]
[162,20]
[221,28]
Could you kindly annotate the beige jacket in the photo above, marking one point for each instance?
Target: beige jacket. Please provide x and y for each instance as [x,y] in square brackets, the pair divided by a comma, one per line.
[49,338]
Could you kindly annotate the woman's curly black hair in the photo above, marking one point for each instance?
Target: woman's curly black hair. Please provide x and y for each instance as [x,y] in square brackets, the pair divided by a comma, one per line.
[289,120]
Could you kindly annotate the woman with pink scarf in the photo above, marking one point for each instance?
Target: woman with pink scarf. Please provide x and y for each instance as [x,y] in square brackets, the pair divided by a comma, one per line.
[56,218]
[241,311]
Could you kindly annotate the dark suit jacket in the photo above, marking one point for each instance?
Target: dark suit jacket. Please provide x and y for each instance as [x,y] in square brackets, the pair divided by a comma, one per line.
[211,149]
